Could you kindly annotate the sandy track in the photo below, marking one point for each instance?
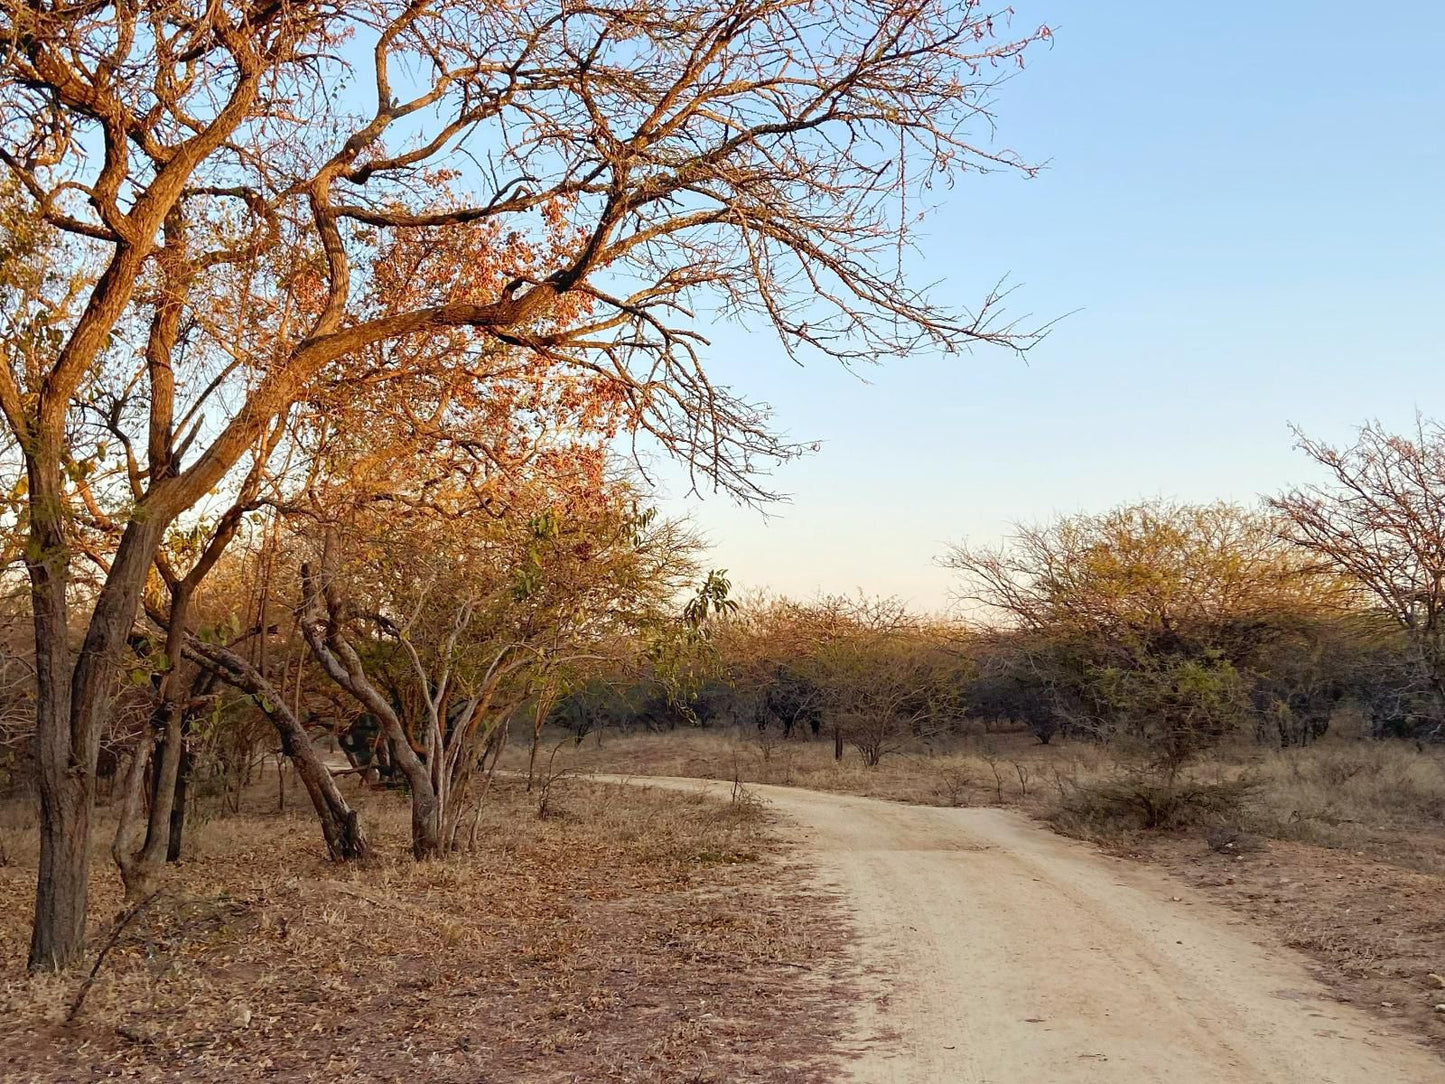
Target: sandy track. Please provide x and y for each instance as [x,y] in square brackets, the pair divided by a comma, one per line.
[999,953]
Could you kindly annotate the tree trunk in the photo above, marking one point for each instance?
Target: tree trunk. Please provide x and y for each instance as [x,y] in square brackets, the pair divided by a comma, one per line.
[142,860]
[58,936]
[65,777]
[339,826]
[426,826]
[130,830]
[345,840]
[150,858]
[177,830]
[330,648]
[532,757]
[66,797]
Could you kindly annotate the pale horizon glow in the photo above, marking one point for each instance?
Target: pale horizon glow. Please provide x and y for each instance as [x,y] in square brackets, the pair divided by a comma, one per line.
[1242,213]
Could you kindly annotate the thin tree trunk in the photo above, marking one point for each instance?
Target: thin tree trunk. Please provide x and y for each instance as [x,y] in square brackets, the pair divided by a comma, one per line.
[532,759]
[130,831]
[339,826]
[177,831]
[141,861]
[330,648]
[490,771]
[150,858]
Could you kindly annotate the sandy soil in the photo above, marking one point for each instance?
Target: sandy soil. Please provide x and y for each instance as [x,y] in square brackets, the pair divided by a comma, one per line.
[997,953]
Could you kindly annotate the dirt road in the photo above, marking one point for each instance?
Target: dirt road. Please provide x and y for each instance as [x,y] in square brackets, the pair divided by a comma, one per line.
[999,953]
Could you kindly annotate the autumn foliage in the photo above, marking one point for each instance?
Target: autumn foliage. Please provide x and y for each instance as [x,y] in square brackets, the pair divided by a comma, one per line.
[277,261]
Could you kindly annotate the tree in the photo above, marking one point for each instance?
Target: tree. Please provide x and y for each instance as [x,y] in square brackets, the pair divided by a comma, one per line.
[214,196]
[886,689]
[1014,681]
[1379,520]
[462,615]
[1150,621]
[1153,572]
[183,560]
[1173,706]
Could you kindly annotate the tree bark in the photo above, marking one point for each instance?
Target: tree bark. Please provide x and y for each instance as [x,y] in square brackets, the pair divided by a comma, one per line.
[177,828]
[58,937]
[141,858]
[170,748]
[65,793]
[339,825]
[130,831]
[320,625]
[140,851]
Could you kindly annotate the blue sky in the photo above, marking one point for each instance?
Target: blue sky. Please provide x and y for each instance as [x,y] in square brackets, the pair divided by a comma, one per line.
[1243,212]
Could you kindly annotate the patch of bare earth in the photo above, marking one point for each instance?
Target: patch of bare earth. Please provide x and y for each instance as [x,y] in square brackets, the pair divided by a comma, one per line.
[1376,929]
[632,936]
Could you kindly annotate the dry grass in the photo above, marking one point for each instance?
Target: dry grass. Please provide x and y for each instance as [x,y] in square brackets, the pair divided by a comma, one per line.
[1387,798]
[1376,928]
[633,935]
[1358,796]
[999,770]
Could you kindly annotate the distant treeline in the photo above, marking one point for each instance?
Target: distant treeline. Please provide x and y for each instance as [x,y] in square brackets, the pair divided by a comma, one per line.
[1159,626]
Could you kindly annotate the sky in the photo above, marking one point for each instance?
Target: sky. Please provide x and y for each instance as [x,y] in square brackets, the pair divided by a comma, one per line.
[1241,223]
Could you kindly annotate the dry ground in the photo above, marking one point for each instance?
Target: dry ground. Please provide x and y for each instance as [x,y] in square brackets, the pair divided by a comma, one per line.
[1005,954]
[1342,854]
[630,936]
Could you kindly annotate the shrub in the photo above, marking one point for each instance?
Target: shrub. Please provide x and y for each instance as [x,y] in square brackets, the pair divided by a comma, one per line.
[952,786]
[1146,803]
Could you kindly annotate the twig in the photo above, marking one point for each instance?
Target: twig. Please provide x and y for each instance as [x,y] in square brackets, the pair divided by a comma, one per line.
[114,939]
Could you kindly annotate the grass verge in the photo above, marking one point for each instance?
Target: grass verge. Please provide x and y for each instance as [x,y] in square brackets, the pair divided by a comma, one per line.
[632,935]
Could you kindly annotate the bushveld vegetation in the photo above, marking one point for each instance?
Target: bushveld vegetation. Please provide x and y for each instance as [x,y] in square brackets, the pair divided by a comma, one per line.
[321,328]
[1207,687]
[324,334]
[1169,646]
